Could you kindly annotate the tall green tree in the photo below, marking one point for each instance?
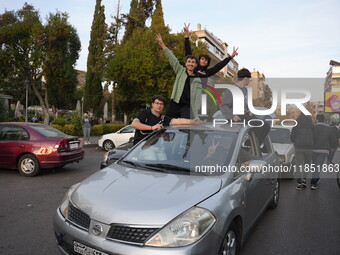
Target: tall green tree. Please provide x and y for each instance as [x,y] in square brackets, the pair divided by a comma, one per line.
[96,61]
[22,44]
[139,66]
[62,48]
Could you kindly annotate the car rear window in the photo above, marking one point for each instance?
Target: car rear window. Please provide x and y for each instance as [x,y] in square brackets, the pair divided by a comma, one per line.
[280,135]
[48,131]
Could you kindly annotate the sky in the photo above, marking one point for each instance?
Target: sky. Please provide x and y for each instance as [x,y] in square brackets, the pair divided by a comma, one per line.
[282,39]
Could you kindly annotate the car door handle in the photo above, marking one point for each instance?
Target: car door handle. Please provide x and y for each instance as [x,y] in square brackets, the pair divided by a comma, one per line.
[20,146]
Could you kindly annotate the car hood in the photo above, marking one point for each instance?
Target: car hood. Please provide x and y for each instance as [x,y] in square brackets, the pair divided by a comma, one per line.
[282,148]
[123,195]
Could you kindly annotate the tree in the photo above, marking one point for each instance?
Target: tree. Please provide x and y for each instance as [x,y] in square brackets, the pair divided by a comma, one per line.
[96,60]
[21,38]
[268,95]
[62,48]
[139,66]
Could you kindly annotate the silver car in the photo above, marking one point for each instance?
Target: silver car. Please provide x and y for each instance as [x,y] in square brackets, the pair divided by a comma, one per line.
[179,191]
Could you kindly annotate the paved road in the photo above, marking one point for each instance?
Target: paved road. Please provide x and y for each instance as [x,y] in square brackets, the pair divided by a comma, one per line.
[305,222]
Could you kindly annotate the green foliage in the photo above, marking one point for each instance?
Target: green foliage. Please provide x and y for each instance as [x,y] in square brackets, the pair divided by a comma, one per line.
[96,61]
[62,51]
[3,112]
[76,121]
[103,129]
[59,121]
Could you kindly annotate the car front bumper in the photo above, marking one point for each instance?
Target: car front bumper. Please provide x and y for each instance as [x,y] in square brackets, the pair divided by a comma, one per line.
[66,234]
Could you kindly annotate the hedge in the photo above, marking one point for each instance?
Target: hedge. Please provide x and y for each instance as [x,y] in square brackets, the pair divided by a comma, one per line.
[96,130]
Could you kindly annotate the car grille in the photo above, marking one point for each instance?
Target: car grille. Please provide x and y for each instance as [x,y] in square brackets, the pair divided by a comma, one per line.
[78,217]
[130,234]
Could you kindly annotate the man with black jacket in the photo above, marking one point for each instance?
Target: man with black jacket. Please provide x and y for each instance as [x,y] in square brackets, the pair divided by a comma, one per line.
[324,140]
[302,137]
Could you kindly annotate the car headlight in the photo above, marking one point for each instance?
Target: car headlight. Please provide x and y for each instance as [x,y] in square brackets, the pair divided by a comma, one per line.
[64,204]
[186,229]
[282,158]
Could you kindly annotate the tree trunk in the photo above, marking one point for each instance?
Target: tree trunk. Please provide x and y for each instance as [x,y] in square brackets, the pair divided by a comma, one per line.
[43,104]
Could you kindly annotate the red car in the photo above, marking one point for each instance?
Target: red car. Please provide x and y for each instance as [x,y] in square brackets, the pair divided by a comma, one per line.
[31,146]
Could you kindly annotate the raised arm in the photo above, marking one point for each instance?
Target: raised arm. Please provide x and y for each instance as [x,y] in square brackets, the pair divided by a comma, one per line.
[187,45]
[160,41]
[176,66]
[221,64]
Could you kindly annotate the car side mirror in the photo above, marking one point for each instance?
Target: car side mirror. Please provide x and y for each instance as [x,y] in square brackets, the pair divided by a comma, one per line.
[131,139]
[254,166]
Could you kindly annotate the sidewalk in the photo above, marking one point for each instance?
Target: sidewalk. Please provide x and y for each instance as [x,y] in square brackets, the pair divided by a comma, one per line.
[93,141]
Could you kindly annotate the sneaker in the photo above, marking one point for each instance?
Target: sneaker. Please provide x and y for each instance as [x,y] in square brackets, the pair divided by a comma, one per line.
[299,186]
[313,187]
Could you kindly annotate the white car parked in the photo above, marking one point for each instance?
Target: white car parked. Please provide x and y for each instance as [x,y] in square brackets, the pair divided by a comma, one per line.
[110,141]
[280,137]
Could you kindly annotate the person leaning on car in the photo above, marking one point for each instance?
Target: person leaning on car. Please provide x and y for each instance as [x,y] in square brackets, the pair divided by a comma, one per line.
[149,120]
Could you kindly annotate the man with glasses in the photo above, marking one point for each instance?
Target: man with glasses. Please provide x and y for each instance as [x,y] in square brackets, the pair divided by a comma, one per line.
[149,120]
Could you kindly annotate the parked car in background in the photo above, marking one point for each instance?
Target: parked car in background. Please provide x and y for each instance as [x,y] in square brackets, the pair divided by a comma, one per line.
[114,155]
[110,141]
[160,198]
[280,137]
[32,146]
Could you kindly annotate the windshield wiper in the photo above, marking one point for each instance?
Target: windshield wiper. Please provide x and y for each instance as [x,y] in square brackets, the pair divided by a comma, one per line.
[170,167]
[141,166]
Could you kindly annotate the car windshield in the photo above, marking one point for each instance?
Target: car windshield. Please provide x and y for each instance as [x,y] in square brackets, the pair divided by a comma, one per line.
[280,135]
[47,131]
[183,150]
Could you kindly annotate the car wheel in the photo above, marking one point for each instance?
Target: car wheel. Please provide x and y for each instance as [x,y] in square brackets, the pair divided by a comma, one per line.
[28,165]
[108,145]
[232,241]
[276,195]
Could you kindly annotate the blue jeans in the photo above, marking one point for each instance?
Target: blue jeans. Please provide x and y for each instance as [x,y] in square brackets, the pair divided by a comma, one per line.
[318,160]
[87,132]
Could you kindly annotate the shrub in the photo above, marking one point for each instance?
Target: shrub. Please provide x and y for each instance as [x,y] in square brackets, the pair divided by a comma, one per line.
[77,123]
[59,121]
[68,129]
[97,130]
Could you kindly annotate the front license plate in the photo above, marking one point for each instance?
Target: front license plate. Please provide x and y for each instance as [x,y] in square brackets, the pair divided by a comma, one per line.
[85,250]
[73,146]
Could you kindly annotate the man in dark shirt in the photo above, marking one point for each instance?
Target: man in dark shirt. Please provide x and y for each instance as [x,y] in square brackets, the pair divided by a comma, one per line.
[261,128]
[149,120]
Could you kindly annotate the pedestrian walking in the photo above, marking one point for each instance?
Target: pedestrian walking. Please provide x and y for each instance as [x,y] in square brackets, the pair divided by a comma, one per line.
[336,144]
[87,127]
[302,138]
[324,140]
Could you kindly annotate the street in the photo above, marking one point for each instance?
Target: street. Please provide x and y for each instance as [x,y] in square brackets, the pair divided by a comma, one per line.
[305,222]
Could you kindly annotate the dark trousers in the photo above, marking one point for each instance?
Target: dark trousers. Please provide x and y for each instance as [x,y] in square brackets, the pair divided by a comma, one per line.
[302,157]
[318,160]
[177,110]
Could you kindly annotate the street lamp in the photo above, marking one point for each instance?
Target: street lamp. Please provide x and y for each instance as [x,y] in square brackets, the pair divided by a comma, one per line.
[27,84]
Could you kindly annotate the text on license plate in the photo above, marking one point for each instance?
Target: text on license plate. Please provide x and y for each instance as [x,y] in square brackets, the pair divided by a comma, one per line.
[73,146]
[85,250]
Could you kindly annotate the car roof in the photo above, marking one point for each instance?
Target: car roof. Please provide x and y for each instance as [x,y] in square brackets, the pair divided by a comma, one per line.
[22,123]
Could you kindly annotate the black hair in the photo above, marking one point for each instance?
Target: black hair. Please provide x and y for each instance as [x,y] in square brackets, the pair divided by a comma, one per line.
[192,57]
[320,118]
[159,97]
[205,56]
[243,73]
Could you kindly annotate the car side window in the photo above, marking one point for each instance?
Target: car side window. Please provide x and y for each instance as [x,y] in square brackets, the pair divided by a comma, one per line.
[249,151]
[127,130]
[12,133]
[266,147]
